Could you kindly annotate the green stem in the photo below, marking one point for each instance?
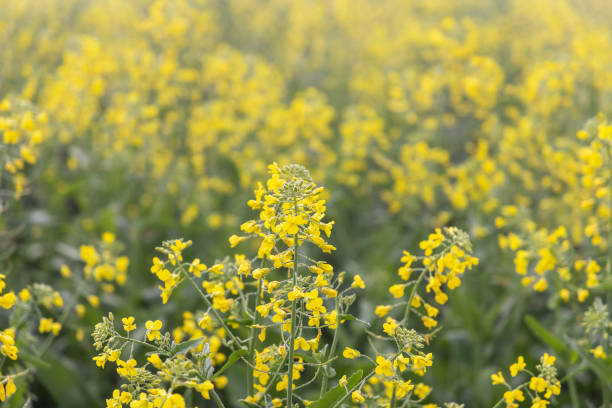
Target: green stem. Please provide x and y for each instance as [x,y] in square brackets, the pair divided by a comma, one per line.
[573,393]
[251,357]
[412,294]
[217,399]
[293,319]
[329,352]
[393,397]
[142,343]
[606,393]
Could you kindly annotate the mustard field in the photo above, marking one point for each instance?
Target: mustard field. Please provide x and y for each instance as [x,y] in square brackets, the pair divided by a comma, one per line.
[306,203]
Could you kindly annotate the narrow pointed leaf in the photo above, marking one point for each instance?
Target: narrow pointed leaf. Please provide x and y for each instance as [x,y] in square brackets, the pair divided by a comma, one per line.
[545,335]
[185,346]
[235,356]
[337,393]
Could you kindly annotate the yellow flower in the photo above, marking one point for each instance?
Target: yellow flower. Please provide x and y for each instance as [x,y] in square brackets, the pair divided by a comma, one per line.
[383,366]
[498,378]
[89,254]
[389,326]
[65,271]
[515,395]
[420,363]
[128,324]
[216,269]
[397,290]
[153,328]
[358,282]
[598,352]
[539,403]
[422,390]
[356,397]
[235,240]
[8,300]
[537,384]
[10,387]
[174,401]
[93,300]
[296,293]
[382,310]
[541,285]
[350,353]
[205,388]
[547,359]
[126,368]
[155,360]
[301,342]
[100,360]
[196,267]
[260,273]
[429,322]
[518,366]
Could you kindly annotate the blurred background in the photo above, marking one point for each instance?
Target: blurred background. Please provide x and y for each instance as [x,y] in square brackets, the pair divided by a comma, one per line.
[159,117]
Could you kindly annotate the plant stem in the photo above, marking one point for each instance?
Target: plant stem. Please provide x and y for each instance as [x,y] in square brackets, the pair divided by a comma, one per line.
[330,351]
[217,399]
[412,294]
[573,394]
[142,343]
[393,397]
[293,319]
[251,357]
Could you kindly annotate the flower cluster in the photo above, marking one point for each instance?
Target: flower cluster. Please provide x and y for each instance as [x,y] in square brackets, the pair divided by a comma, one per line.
[169,365]
[446,256]
[540,388]
[272,311]
[22,130]
[103,264]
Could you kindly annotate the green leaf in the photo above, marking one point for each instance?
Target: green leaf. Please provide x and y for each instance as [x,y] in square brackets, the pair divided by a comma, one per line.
[601,369]
[337,393]
[185,346]
[242,322]
[33,360]
[347,317]
[235,356]
[545,335]
[63,381]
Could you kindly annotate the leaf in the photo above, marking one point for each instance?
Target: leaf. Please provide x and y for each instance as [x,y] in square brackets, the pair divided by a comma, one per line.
[599,367]
[235,356]
[63,381]
[242,322]
[545,335]
[34,360]
[337,393]
[347,317]
[185,346]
